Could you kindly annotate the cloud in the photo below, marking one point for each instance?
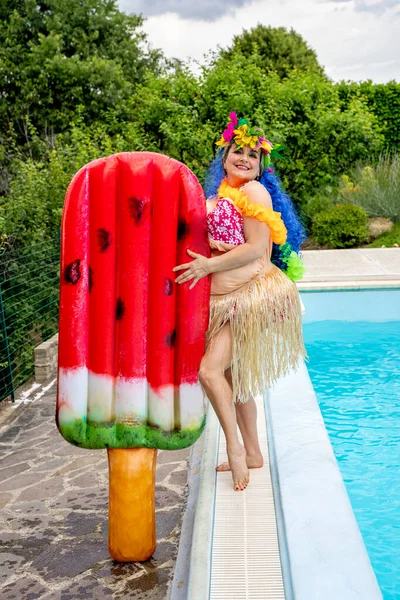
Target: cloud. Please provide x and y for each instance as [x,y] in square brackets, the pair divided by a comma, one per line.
[375,6]
[350,44]
[200,10]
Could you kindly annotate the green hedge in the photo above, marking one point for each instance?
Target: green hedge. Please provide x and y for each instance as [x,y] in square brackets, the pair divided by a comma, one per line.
[383,100]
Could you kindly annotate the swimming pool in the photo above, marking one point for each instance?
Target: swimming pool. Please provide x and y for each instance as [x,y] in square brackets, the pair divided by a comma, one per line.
[353,341]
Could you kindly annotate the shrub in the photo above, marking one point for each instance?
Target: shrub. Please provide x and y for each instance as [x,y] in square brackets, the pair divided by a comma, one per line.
[312,206]
[376,188]
[342,226]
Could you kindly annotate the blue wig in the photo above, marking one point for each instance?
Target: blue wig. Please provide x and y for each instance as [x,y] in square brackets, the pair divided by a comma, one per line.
[281,202]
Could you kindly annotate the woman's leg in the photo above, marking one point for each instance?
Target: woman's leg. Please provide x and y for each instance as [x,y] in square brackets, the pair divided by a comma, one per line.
[211,375]
[246,415]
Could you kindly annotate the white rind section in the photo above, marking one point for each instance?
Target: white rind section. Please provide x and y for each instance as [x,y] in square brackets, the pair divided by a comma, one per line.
[100,398]
[131,400]
[190,407]
[161,407]
[72,394]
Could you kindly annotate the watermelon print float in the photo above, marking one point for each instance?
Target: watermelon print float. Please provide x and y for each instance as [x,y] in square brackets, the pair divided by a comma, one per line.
[130,339]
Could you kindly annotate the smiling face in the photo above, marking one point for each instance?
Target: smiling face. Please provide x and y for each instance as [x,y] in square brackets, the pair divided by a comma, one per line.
[241,164]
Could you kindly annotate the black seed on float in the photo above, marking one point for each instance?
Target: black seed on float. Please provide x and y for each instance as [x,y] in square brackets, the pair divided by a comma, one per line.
[168,286]
[120,310]
[91,279]
[183,229]
[104,239]
[170,339]
[137,207]
[72,272]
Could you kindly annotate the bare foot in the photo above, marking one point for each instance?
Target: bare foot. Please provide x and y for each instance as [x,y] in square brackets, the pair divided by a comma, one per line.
[240,472]
[254,461]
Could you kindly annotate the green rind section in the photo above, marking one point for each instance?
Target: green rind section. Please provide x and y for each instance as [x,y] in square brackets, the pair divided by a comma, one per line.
[121,435]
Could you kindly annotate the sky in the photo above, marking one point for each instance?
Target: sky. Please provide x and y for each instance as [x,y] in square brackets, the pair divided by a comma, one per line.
[354,39]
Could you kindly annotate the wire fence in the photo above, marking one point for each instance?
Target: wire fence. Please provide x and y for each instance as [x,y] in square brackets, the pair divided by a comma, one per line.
[29,286]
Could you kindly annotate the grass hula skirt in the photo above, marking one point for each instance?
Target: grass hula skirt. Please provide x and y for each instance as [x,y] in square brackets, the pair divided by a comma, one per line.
[266,325]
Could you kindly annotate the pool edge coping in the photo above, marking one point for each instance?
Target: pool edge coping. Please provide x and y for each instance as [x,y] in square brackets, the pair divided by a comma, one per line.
[345,285]
[341,569]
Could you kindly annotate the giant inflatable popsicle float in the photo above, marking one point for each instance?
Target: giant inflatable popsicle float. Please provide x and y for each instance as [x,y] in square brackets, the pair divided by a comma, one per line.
[130,339]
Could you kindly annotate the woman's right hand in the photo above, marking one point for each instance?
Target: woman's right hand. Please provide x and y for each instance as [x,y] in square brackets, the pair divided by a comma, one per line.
[196,269]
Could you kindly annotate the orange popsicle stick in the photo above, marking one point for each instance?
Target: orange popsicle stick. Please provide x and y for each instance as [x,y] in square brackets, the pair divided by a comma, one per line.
[131,513]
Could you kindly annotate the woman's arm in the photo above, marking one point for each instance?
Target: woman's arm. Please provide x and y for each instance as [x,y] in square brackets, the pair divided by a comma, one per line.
[256,235]
[257,239]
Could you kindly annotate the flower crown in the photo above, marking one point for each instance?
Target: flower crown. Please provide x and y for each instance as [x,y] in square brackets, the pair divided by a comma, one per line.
[244,135]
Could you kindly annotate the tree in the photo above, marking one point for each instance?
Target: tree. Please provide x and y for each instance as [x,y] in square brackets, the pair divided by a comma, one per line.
[279,50]
[58,55]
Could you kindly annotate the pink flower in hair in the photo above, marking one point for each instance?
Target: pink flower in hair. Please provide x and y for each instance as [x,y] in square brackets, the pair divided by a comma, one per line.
[233,118]
[228,133]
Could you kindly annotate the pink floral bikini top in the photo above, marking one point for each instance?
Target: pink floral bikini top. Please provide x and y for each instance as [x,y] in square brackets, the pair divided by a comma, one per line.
[225,223]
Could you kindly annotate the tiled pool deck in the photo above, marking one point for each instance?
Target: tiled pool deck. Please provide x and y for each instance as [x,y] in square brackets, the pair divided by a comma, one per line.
[53,497]
[364,267]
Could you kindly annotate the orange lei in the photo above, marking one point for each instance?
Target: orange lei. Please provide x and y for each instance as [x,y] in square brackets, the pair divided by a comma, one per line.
[249,209]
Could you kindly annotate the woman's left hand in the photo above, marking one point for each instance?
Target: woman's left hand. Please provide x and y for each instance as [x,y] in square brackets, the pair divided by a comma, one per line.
[196,270]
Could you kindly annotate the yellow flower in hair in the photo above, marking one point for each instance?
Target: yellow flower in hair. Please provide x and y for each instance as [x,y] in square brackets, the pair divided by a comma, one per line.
[243,139]
[221,142]
[242,130]
[266,146]
[241,136]
[253,141]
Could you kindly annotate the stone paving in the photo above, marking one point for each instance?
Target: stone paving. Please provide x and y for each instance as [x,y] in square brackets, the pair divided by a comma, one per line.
[53,506]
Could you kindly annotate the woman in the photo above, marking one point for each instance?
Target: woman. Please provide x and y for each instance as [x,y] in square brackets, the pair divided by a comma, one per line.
[254,334]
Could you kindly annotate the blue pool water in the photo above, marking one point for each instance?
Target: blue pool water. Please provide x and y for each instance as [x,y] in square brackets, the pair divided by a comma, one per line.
[355,370]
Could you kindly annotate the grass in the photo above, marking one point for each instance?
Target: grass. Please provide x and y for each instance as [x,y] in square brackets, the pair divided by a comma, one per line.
[387,239]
